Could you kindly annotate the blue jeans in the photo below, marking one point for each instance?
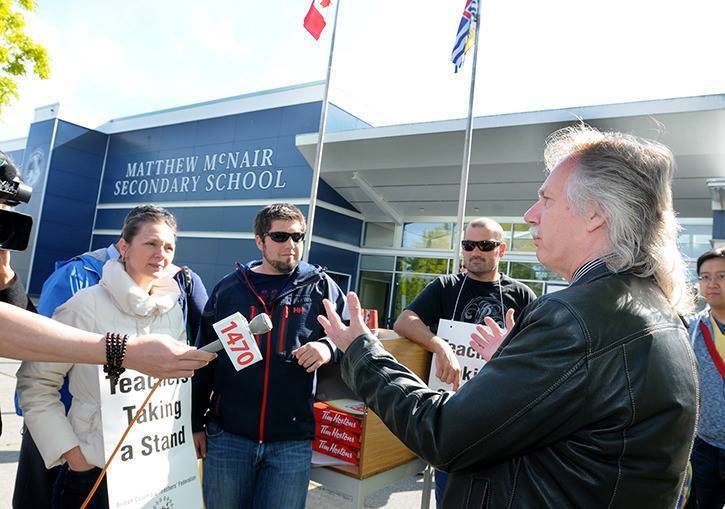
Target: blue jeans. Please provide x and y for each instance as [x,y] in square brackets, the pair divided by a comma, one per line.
[242,473]
[708,472]
[441,478]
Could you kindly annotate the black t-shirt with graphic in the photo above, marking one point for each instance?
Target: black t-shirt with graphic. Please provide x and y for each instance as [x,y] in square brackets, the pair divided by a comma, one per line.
[471,300]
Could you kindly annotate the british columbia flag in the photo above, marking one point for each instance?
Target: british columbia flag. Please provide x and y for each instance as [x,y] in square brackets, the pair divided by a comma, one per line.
[466,35]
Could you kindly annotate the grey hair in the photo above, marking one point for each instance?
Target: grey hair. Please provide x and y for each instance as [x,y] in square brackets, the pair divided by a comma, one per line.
[629,181]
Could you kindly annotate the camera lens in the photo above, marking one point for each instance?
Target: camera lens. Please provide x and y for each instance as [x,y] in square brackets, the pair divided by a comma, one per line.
[7,231]
[14,230]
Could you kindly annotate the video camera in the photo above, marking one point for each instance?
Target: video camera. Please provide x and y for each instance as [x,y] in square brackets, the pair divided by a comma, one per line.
[14,226]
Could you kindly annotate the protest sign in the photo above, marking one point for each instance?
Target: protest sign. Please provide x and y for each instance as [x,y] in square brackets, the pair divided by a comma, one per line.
[458,336]
[156,465]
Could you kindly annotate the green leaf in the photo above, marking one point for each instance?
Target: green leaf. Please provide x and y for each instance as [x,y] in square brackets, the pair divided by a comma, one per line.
[20,55]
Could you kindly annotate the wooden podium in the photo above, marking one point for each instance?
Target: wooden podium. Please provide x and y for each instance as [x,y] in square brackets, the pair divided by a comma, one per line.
[380,449]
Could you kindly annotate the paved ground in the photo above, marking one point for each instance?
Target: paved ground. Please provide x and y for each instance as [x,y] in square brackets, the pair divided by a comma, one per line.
[10,439]
[404,495]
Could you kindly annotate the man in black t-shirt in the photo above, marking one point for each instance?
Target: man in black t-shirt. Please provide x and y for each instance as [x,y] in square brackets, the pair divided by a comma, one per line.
[466,297]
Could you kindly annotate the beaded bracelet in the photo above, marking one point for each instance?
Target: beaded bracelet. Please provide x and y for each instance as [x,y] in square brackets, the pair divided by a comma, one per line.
[115,354]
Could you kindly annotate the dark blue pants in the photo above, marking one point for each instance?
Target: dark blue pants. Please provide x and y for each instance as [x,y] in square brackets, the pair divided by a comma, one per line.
[708,472]
[71,489]
[441,478]
[243,474]
[33,482]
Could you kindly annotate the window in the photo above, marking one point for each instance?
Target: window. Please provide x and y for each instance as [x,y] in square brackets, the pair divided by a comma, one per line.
[379,234]
[420,264]
[694,239]
[407,288]
[375,293]
[537,288]
[390,283]
[521,270]
[532,271]
[522,240]
[428,235]
[507,234]
[375,262]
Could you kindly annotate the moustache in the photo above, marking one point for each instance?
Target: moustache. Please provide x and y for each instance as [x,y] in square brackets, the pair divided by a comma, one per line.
[534,231]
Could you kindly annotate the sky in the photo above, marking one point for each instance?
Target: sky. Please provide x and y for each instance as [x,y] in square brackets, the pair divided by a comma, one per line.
[391,62]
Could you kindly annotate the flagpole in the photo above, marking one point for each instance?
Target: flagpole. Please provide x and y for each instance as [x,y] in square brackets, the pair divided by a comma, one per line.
[320,145]
[463,191]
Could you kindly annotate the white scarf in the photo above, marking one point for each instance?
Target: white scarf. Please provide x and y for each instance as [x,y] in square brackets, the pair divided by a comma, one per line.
[134,300]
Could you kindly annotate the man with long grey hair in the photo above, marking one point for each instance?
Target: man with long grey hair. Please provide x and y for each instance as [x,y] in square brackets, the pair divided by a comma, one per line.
[591,400]
[628,181]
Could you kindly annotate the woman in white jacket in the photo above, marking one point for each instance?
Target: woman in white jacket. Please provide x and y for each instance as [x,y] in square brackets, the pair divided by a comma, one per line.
[136,295]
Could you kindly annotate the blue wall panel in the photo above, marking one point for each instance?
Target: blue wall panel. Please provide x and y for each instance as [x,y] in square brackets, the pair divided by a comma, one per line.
[335,259]
[302,118]
[100,241]
[16,156]
[214,130]
[34,165]
[263,124]
[225,219]
[246,156]
[326,193]
[334,226]
[70,198]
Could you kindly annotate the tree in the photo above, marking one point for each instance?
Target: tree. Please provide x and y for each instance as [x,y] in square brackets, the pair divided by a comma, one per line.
[19,54]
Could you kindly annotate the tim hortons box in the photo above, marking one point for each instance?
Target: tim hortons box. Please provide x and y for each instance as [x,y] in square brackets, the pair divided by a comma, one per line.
[339,435]
[324,414]
[335,450]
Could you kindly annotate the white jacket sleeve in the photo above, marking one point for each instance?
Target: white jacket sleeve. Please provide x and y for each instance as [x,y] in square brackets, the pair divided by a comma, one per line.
[181,335]
[38,390]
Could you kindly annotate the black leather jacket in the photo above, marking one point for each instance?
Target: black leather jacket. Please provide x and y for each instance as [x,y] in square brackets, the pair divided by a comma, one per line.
[592,401]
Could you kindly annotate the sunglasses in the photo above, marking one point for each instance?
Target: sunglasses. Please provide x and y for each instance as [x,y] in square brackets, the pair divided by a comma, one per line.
[483,245]
[285,236]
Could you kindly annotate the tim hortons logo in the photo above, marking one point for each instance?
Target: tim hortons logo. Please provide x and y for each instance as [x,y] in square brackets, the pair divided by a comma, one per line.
[335,449]
[339,419]
[337,434]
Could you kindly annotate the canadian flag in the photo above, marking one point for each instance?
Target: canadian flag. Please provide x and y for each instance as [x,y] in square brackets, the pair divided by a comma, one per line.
[315,19]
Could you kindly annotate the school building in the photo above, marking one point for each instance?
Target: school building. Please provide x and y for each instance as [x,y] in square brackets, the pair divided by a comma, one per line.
[387,199]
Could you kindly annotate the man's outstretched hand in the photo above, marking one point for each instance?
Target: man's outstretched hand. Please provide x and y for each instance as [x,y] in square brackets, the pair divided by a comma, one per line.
[342,335]
[487,340]
[161,356]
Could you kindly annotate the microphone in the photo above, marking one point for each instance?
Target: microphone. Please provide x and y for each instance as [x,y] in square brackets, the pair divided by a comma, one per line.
[260,324]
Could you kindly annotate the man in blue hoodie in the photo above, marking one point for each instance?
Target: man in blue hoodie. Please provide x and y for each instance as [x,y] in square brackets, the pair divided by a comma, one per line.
[254,428]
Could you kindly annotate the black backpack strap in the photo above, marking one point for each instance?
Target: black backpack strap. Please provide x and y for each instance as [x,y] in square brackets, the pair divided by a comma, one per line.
[184,300]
